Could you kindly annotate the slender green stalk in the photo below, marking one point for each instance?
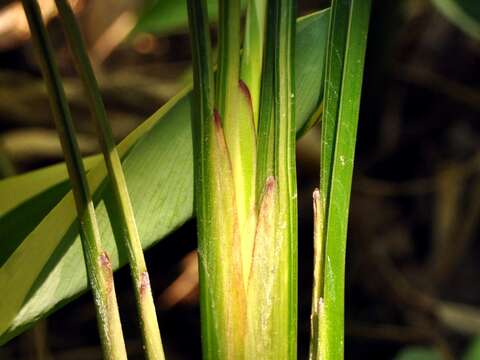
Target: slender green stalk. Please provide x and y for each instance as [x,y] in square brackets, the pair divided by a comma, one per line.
[143,294]
[344,73]
[202,128]
[99,268]
[285,168]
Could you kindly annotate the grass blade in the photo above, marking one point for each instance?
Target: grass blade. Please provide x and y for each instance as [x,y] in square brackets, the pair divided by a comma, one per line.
[143,294]
[98,263]
[344,73]
[203,135]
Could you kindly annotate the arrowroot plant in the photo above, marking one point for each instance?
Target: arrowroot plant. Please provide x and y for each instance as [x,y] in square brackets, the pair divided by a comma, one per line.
[273,79]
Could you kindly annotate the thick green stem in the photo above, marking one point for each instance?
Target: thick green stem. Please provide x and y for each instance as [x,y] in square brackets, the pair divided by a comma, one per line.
[276,169]
[99,268]
[247,238]
[143,294]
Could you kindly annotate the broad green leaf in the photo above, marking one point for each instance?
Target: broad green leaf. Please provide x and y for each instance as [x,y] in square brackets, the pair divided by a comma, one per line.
[44,268]
[53,251]
[463,13]
[16,190]
[163,17]
[169,16]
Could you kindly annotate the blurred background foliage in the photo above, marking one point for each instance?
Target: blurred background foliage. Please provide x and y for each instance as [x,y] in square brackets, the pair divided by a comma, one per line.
[413,257]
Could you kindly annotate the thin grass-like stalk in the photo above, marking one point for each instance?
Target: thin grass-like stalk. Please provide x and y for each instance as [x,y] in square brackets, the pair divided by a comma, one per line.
[202,128]
[284,162]
[143,294]
[99,268]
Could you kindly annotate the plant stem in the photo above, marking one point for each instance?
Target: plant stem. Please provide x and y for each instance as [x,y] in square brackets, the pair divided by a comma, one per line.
[276,334]
[284,160]
[97,261]
[143,294]
[202,128]
[247,268]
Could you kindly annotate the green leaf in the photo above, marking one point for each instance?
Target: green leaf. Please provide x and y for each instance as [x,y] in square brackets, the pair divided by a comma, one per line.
[309,107]
[45,269]
[418,353]
[17,190]
[169,16]
[53,252]
[463,13]
[163,17]
[345,57]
